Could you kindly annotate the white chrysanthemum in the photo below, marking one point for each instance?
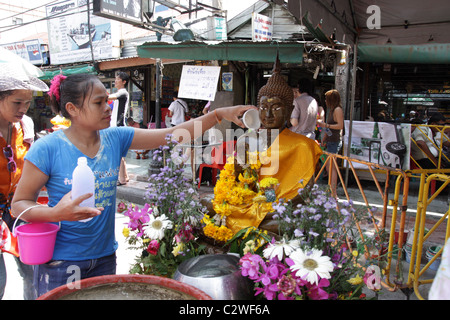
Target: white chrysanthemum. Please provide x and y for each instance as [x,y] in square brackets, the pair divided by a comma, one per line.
[311,265]
[154,229]
[278,248]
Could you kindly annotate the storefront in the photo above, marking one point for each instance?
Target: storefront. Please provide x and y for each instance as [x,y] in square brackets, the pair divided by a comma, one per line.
[390,91]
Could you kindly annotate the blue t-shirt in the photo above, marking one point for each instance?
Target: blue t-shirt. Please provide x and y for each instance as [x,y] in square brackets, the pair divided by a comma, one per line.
[57,157]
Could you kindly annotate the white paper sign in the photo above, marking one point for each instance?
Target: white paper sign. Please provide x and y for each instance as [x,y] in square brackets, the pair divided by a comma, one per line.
[199,82]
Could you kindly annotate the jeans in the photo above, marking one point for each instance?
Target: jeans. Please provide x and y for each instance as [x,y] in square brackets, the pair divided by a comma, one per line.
[2,276]
[57,272]
[332,146]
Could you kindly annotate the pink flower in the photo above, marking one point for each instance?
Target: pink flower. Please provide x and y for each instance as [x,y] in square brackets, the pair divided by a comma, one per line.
[55,85]
[269,291]
[153,247]
[286,285]
[138,217]
[250,265]
[185,234]
[121,207]
[316,292]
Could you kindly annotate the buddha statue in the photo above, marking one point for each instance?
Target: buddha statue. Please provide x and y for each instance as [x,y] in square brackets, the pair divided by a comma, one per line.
[289,157]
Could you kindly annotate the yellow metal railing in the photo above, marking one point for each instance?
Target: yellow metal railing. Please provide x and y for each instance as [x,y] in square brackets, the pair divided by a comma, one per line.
[416,271]
[401,186]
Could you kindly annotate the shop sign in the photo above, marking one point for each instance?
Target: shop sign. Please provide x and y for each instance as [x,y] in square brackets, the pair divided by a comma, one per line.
[262,27]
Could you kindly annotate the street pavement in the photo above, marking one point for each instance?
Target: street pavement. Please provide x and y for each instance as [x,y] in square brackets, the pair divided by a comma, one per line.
[134,192]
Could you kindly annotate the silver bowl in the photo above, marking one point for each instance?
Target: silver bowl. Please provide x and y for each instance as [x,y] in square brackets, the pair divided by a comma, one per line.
[218,275]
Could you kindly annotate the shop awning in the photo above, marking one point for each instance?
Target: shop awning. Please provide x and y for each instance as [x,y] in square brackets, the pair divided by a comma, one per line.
[49,74]
[426,53]
[289,52]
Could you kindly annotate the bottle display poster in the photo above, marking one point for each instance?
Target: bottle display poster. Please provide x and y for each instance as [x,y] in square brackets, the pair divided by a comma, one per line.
[383,143]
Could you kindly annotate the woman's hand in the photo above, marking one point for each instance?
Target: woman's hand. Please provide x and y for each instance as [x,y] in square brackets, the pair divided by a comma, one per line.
[321,123]
[233,113]
[70,210]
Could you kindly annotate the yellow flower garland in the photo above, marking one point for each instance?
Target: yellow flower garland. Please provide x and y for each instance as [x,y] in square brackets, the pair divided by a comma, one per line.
[229,192]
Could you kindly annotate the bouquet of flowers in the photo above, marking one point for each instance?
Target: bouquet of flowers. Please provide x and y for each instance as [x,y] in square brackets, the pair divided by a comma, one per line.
[165,230]
[311,259]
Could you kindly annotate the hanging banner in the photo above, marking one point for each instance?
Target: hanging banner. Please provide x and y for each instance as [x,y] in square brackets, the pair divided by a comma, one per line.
[70,34]
[199,82]
[383,143]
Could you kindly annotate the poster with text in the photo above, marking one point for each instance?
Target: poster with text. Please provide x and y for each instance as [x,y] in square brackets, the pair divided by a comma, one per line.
[70,34]
[383,143]
[262,27]
[199,82]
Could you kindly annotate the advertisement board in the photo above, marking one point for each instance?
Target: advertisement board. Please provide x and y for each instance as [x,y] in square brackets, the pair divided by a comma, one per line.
[383,143]
[29,50]
[70,34]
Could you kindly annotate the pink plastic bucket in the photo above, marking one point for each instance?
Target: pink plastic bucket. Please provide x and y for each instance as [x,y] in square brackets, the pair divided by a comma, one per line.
[36,242]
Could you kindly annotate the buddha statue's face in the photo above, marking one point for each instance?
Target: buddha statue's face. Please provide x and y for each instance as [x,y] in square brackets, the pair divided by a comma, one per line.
[272,112]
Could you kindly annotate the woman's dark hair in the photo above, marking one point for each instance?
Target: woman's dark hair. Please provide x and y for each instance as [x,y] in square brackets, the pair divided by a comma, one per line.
[124,76]
[4,94]
[75,88]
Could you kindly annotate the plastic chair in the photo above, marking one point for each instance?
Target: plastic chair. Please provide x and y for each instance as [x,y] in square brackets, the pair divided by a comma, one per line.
[219,159]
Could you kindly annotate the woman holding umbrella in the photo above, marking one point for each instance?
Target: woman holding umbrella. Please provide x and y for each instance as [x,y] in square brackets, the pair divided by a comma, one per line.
[17,83]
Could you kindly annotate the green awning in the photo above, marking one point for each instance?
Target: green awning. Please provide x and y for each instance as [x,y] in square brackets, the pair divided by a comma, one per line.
[289,52]
[426,53]
[49,74]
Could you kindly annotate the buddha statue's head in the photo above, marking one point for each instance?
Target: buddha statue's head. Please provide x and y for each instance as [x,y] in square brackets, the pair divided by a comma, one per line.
[275,100]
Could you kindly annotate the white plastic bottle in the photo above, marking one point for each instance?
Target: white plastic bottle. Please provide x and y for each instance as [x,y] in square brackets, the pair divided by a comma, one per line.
[83,181]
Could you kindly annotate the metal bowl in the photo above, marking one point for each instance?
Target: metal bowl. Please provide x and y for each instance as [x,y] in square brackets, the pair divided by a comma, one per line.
[218,275]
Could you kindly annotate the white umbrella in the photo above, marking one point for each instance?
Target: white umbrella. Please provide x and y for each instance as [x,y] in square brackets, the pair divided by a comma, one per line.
[18,73]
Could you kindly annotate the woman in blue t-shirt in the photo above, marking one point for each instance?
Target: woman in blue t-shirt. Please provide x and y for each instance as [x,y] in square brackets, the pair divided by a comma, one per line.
[90,246]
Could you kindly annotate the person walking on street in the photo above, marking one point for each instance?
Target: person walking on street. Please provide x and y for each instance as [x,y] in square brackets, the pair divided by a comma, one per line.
[16,137]
[177,110]
[89,246]
[304,115]
[335,123]
[120,114]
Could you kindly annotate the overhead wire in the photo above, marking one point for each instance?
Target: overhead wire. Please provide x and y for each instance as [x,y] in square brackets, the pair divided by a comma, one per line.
[28,10]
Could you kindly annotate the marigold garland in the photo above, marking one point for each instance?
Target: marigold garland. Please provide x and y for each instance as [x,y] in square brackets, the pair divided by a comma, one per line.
[247,188]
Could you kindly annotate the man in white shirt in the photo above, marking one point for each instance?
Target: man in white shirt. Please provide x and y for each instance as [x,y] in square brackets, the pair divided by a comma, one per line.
[121,100]
[428,153]
[304,115]
[119,115]
[177,110]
